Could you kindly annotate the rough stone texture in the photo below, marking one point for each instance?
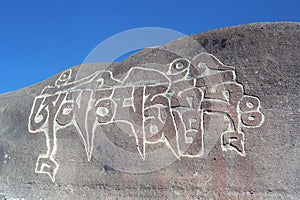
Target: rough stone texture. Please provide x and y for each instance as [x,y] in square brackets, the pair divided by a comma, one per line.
[267,62]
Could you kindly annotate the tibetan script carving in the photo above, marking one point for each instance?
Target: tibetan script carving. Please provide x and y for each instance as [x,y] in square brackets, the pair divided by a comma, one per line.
[166,106]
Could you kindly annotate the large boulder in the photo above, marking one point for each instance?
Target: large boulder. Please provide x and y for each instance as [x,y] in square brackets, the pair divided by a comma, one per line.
[210,116]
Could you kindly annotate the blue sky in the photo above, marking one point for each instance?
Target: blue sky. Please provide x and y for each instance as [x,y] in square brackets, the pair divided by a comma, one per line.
[39,39]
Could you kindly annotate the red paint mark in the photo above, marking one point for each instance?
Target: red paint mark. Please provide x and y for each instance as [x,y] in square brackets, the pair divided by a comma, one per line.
[219,177]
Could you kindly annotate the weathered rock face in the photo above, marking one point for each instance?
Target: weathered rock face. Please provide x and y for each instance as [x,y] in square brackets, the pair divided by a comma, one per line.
[216,118]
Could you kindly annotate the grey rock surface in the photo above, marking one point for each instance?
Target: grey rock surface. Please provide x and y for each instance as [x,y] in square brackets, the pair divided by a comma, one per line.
[260,162]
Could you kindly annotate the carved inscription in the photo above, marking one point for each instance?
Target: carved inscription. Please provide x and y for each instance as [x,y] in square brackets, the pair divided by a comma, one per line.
[159,106]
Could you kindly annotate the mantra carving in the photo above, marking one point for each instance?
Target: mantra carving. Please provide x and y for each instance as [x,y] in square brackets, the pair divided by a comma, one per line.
[165,105]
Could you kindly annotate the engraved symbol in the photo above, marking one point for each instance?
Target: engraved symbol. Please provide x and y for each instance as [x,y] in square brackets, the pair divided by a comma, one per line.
[156,106]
